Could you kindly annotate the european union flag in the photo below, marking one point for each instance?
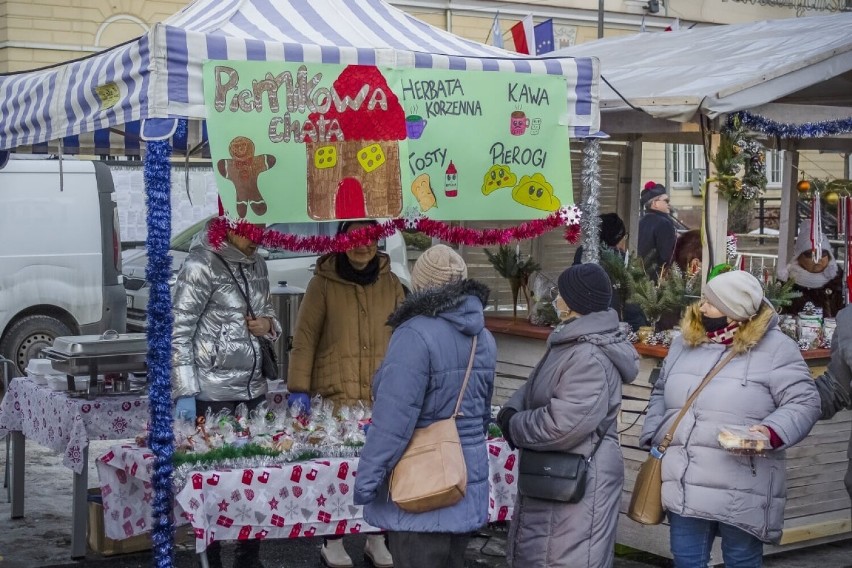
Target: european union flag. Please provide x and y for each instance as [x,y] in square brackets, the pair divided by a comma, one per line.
[544,37]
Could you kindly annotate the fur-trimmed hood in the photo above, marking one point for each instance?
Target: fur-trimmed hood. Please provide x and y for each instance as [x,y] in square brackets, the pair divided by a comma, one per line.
[747,336]
[458,302]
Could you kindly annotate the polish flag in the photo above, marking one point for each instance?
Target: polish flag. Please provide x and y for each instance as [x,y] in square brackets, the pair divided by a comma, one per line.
[524,36]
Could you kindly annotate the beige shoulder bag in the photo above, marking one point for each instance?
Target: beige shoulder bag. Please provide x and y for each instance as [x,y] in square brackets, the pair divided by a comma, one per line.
[646,502]
[431,474]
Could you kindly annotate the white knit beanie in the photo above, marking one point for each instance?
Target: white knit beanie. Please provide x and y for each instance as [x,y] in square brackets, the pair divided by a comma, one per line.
[438,265]
[737,294]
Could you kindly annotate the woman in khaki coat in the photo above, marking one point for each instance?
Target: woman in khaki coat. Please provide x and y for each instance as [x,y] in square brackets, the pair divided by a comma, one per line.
[340,340]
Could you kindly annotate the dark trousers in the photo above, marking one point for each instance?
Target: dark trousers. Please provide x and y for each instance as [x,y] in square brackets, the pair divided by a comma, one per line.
[427,550]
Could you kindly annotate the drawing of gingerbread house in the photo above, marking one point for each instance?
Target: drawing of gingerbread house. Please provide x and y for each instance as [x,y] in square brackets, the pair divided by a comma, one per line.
[353,164]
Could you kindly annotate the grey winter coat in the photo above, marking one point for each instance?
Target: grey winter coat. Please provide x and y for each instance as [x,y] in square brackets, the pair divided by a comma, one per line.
[839,373]
[573,390]
[766,383]
[214,357]
[417,384]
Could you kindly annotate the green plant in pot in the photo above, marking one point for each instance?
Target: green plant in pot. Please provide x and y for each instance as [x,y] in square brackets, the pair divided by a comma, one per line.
[510,264]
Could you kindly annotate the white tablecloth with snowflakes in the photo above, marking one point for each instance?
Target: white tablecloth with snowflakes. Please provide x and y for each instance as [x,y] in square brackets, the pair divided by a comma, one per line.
[66,424]
[311,498]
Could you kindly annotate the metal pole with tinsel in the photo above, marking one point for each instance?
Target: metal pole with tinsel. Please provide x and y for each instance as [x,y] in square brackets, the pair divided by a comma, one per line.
[590,201]
[160,435]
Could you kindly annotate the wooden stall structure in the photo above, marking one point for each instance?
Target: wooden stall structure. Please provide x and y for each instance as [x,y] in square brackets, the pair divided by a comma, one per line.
[818,506]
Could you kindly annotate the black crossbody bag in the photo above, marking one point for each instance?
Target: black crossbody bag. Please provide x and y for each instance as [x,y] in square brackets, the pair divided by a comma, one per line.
[557,476]
[268,358]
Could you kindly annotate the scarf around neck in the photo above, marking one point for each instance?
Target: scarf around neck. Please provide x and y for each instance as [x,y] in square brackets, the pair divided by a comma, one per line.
[812,280]
[364,277]
[724,336]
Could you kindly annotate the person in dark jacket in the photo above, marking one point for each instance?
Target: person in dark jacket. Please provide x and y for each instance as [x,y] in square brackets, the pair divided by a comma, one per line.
[835,385]
[572,398]
[614,240]
[418,384]
[766,387]
[657,234]
[613,236]
[815,273]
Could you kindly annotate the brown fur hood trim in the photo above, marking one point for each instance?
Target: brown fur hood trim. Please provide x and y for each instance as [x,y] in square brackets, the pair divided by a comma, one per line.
[748,335]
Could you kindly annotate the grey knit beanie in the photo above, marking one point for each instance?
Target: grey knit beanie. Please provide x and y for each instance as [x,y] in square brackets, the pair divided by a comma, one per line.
[737,294]
[438,265]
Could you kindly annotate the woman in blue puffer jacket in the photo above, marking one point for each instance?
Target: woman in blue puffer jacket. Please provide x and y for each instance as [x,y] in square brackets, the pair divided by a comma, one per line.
[418,384]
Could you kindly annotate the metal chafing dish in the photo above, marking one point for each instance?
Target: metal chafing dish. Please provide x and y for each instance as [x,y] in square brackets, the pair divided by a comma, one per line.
[92,355]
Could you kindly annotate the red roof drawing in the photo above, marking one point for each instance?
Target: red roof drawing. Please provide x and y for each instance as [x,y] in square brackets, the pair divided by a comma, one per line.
[365,124]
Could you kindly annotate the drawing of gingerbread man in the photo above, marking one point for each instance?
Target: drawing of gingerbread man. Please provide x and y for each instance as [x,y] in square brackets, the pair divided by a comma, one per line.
[243,169]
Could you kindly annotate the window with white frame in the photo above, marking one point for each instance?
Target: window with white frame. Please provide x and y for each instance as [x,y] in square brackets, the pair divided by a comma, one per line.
[685,158]
[774,167]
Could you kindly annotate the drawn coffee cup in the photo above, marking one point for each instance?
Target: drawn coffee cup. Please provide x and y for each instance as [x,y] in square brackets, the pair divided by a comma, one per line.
[518,123]
[414,126]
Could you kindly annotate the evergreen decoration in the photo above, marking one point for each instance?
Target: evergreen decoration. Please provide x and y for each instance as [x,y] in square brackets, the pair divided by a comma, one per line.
[780,293]
[509,264]
[739,151]
[613,264]
[655,299]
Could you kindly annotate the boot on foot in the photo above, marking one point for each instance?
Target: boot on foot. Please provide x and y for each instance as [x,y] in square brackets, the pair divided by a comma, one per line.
[376,551]
[334,555]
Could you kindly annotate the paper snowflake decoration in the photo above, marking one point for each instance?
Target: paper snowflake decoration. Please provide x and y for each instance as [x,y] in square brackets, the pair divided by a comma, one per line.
[570,215]
[411,216]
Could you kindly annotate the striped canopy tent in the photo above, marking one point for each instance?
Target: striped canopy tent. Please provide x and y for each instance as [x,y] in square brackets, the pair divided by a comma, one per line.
[140,90]
[83,104]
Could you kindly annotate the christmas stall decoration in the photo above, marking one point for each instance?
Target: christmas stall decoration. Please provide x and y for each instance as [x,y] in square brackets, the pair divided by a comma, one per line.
[157,80]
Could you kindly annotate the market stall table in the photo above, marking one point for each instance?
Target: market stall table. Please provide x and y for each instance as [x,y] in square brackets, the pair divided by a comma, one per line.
[300,499]
[65,424]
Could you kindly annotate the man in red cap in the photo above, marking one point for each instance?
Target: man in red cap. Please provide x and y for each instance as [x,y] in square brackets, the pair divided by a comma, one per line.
[657,234]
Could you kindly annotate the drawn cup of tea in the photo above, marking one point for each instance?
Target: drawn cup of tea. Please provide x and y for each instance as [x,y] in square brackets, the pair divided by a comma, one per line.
[518,123]
[535,126]
[414,126]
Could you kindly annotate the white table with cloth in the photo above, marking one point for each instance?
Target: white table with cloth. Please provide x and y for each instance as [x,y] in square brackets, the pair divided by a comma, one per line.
[300,499]
[65,424]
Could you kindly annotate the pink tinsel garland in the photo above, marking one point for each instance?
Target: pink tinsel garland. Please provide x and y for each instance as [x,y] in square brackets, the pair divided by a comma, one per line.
[271,239]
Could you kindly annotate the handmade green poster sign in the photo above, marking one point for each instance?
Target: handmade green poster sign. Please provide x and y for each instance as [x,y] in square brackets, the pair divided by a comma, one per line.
[296,142]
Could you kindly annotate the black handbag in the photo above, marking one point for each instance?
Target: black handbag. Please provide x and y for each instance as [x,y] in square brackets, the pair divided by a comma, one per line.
[268,358]
[556,476]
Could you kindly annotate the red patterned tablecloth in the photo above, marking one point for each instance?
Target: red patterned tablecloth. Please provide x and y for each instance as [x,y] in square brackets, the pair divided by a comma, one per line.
[66,424]
[309,498]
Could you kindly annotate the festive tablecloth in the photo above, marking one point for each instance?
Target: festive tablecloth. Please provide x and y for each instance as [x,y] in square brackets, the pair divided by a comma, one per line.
[309,498]
[65,424]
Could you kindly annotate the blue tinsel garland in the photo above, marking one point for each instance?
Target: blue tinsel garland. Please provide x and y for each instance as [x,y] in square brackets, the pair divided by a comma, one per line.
[770,127]
[160,437]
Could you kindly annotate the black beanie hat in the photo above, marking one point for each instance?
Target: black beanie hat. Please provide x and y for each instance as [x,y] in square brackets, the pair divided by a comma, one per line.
[585,288]
[612,229]
[343,226]
[652,190]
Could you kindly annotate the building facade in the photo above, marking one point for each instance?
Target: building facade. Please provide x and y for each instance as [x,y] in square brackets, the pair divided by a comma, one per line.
[38,33]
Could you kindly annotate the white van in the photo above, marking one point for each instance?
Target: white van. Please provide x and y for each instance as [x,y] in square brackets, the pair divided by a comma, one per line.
[60,255]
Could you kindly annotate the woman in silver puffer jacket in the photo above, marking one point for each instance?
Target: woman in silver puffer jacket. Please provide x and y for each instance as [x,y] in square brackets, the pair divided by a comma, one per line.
[215,351]
[216,356]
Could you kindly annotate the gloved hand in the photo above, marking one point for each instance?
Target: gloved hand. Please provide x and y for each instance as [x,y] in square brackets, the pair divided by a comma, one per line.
[503,420]
[185,408]
[299,398]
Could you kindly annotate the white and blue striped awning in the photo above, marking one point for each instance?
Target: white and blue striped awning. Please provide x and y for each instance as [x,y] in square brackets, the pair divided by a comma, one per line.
[159,74]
